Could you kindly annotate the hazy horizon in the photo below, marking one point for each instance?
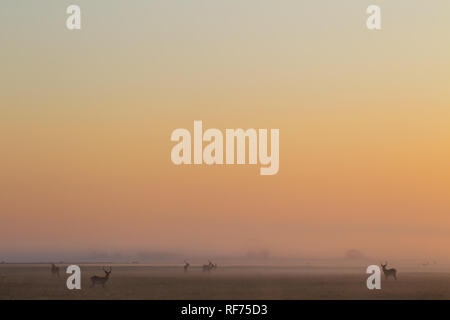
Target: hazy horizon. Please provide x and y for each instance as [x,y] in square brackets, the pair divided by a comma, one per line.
[250,257]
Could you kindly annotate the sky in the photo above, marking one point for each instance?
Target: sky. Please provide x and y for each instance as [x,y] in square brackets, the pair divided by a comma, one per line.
[86,118]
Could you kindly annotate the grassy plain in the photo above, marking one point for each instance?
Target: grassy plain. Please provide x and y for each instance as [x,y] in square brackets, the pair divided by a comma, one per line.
[35,281]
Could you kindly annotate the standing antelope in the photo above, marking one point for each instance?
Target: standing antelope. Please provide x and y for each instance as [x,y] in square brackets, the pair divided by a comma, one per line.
[55,270]
[186,266]
[208,267]
[389,272]
[101,280]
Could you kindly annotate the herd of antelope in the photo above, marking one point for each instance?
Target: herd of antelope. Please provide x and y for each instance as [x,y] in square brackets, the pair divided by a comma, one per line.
[206,267]
[101,280]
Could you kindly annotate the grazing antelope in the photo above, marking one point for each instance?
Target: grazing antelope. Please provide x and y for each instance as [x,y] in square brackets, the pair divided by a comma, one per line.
[389,272]
[55,270]
[101,280]
[186,266]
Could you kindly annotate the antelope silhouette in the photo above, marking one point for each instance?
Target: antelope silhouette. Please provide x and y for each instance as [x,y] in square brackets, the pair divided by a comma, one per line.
[210,266]
[389,272]
[101,280]
[55,270]
[186,266]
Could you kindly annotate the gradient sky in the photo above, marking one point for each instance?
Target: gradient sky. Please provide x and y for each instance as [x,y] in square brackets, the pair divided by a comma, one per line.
[364,119]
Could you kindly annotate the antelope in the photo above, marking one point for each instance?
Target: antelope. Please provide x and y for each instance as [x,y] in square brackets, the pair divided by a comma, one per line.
[55,270]
[186,266]
[208,267]
[389,272]
[101,280]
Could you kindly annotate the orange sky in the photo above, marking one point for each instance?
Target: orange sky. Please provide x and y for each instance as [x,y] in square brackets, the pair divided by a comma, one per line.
[86,118]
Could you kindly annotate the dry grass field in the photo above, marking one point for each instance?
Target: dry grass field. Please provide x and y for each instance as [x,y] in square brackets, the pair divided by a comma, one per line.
[28,281]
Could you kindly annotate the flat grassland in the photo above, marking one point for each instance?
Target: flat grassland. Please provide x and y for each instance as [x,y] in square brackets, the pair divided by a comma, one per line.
[33,281]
